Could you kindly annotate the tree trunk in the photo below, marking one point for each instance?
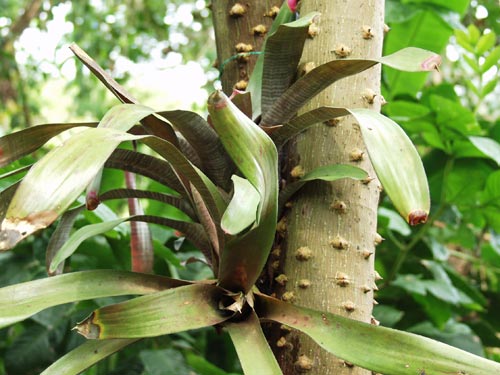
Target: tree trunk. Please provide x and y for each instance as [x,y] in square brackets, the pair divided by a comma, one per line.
[325,217]
[239,27]
[335,221]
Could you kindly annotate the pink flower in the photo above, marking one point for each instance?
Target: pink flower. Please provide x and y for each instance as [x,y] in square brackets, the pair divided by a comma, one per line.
[292,4]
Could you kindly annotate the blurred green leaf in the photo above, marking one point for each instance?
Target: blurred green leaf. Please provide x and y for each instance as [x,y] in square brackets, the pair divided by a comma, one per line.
[204,367]
[488,146]
[388,316]
[491,60]
[401,110]
[396,222]
[474,33]
[489,87]
[166,361]
[453,333]
[29,351]
[485,42]
[454,116]
[425,30]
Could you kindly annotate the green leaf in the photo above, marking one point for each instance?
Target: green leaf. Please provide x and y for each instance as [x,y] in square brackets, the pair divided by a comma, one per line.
[463,40]
[165,198]
[282,53]
[206,143]
[60,237]
[376,348]
[256,357]
[308,86]
[190,230]
[31,349]
[489,87]
[55,181]
[187,307]
[23,142]
[412,59]
[491,194]
[254,153]
[20,301]
[474,33]
[167,361]
[148,166]
[491,60]
[425,30]
[304,121]
[488,146]
[152,123]
[397,164]
[453,333]
[485,42]
[472,62]
[332,172]
[255,82]
[396,223]
[459,6]
[124,116]
[242,209]
[203,367]
[401,110]
[454,116]
[86,355]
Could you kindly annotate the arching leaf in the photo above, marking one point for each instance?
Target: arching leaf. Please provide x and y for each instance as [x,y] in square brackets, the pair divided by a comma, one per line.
[375,348]
[20,301]
[86,355]
[254,153]
[187,307]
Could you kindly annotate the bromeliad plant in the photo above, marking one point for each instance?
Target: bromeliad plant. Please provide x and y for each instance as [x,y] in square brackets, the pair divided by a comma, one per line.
[224,176]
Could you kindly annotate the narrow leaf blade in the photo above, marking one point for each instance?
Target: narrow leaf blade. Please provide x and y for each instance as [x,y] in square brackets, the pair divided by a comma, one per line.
[187,307]
[376,348]
[326,173]
[256,357]
[20,301]
[55,181]
[23,142]
[86,355]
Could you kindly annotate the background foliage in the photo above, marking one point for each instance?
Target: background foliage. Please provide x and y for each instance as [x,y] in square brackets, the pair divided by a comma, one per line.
[440,280]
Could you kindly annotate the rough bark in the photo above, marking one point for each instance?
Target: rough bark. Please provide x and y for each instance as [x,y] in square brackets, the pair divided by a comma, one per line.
[340,280]
[336,221]
[232,29]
